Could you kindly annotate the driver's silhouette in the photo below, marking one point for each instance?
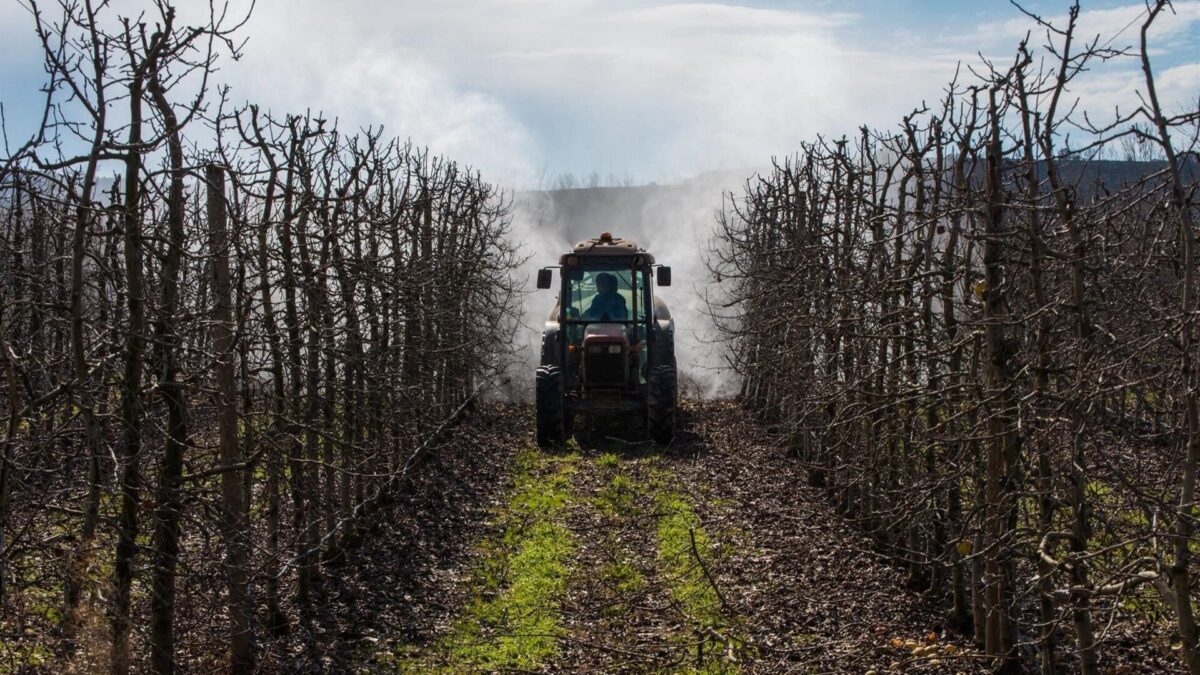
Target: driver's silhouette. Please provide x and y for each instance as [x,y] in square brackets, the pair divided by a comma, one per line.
[607,304]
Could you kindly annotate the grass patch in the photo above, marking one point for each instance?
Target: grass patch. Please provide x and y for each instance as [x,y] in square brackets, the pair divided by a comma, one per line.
[624,577]
[513,621]
[677,524]
[617,498]
[20,657]
[685,552]
[608,460]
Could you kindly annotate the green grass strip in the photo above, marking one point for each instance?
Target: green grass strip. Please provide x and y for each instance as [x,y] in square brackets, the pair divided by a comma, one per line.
[684,551]
[513,622]
[689,587]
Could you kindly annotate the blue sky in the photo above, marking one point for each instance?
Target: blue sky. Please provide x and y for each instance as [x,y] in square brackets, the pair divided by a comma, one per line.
[653,90]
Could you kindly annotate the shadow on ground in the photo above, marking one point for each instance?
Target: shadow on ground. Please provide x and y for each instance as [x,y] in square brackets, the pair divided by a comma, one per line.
[600,435]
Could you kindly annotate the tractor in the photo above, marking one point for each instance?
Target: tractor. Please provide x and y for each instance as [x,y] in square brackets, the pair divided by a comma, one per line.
[608,348]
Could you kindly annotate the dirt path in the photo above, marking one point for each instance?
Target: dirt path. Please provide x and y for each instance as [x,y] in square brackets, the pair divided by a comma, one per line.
[610,556]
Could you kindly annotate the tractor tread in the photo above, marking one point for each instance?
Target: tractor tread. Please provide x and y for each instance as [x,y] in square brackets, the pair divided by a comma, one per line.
[661,399]
[551,428]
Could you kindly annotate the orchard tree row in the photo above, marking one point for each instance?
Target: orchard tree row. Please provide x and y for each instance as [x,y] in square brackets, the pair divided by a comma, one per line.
[227,337]
[981,340]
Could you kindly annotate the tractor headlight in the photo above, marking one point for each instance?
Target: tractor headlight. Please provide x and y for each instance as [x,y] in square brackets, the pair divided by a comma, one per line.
[614,349]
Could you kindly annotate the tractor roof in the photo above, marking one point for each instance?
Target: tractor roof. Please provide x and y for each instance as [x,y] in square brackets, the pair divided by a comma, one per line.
[608,246]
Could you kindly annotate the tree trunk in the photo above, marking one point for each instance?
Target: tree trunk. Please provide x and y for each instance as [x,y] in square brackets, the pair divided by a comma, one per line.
[233,524]
[1004,446]
[169,504]
[131,390]
[1184,528]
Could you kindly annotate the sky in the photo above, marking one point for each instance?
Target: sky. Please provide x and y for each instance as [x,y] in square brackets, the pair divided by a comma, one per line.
[526,90]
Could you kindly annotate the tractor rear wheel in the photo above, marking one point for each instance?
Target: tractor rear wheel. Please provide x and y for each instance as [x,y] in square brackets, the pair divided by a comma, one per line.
[661,398]
[551,429]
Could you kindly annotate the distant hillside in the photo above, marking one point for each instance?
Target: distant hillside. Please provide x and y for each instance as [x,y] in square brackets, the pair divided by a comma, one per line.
[648,213]
[652,213]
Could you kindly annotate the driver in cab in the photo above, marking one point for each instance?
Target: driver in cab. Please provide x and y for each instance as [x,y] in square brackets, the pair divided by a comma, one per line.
[607,304]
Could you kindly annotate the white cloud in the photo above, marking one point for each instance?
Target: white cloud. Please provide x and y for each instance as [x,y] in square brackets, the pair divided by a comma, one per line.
[725,19]
[1116,26]
[653,89]
[414,99]
[1102,94]
[313,56]
[656,91]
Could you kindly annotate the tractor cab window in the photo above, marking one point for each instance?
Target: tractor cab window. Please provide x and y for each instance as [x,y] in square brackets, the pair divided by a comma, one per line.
[598,295]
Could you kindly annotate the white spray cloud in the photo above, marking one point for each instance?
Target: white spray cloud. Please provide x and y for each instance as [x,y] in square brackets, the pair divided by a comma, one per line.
[679,226]
[675,223]
[534,226]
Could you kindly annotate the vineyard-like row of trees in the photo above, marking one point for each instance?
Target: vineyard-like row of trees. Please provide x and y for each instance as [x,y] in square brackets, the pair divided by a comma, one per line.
[226,337]
[983,344]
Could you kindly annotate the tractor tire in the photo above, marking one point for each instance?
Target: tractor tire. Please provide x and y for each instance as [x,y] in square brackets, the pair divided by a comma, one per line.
[661,399]
[551,428]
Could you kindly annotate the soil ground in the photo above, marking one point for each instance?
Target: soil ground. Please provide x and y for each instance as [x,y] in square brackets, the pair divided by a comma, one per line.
[612,555]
